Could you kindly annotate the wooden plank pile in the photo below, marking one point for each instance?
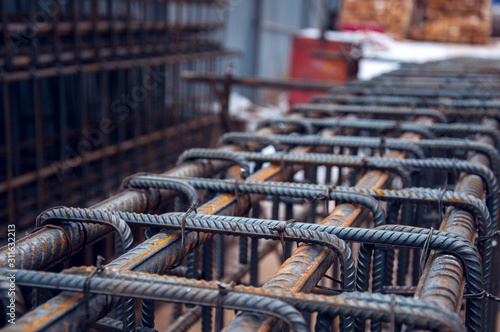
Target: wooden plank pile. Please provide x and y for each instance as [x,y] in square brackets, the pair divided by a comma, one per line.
[390,16]
[453,21]
[456,21]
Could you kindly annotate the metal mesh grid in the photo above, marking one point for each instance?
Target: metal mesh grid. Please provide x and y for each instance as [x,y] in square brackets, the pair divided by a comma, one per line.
[91,93]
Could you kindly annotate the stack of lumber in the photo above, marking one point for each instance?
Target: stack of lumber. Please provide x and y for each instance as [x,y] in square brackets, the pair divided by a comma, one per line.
[455,21]
[452,21]
[390,16]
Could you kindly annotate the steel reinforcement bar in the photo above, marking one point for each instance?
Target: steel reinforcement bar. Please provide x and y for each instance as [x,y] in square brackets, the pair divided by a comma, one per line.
[442,248]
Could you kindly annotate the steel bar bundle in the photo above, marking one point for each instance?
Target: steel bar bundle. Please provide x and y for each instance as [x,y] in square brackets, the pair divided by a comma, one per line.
[380,199]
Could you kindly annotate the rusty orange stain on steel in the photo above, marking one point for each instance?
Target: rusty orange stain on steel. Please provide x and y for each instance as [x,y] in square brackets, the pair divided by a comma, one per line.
[342,215]
[68,303]
[153,248]
[74,299]
[217,203]
[220,201]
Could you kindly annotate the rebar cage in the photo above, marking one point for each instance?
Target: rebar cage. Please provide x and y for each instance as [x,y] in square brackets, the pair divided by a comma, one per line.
[380,197]
[91,93]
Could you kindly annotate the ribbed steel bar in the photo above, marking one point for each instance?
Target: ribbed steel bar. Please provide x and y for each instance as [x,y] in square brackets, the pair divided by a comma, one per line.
[434,196]
[40,249]
[439,72]
[173,184]
[156,254]
[315,159]
[420,83]
[465,201]
[184,322]
[460,223]
[387,238]
[110,61]
[398,166]
[456,270]
[418,92]
[304,123]
[436,80]
[112,325]
[383,126]
[307,264]
[378,126]
[441,289]
[234,226]
[314,140]
[67,214]
[441,80]
[415,102]
[420,195]
[461,129]
[333,110]
[148,307]
[363,276]
[366,305]
[288,189]
[493,280]
[414,147]
[466,146]
[388,235]
[177,293]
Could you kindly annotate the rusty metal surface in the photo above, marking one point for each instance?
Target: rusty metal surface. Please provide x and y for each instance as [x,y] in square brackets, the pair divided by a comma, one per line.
[90,93]
[379,224]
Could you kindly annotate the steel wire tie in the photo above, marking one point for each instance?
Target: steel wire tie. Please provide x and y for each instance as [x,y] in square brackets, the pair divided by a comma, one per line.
[425,251]
[86,286]
[281,230]
[483,294]
[124,187]
[223,290]
[192,208]
[489,236]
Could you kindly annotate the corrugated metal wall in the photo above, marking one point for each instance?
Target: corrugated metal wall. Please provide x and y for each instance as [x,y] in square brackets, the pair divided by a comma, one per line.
[278,19]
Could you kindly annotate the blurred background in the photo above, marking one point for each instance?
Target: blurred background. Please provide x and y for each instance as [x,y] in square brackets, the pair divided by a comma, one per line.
[92,91]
